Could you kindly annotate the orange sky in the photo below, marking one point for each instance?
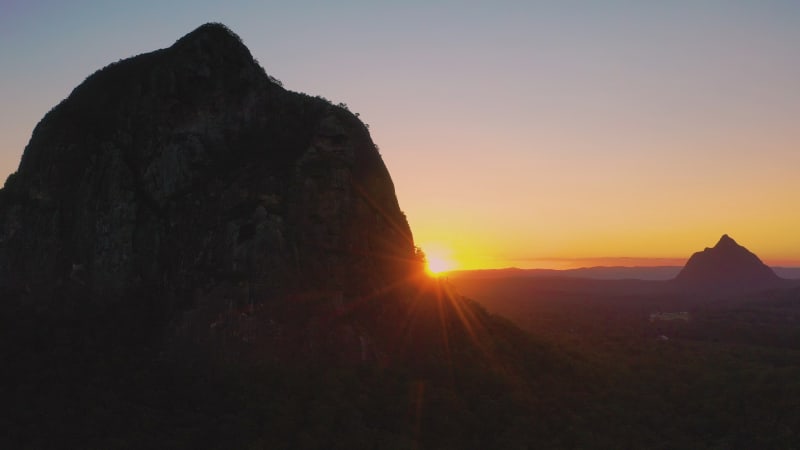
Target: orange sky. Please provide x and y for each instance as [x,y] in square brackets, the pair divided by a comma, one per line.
[529,134]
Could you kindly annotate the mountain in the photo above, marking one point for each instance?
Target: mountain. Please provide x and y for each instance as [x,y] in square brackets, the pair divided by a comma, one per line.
[186,184]
[727,266]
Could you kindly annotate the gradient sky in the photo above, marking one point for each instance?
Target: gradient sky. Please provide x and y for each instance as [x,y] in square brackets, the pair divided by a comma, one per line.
[518,133]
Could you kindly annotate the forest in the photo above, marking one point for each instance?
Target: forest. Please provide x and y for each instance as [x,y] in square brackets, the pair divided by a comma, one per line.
[569,371]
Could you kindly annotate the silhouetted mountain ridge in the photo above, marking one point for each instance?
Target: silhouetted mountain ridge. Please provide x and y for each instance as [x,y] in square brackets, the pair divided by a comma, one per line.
[187,185]
[727,265]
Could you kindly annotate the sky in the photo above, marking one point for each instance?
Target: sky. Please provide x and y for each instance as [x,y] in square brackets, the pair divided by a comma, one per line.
[551,134]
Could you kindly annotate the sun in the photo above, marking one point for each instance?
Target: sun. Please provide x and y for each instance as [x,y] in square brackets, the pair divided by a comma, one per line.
[437,266]
[438,260]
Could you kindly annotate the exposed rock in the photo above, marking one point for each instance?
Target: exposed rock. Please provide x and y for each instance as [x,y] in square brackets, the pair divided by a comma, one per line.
[187,183]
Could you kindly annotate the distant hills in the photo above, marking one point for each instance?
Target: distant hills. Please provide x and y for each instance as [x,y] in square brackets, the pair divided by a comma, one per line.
[789,273]
[715,265]
[661,273]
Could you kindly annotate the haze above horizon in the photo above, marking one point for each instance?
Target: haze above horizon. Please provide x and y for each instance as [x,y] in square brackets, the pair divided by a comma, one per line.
[527,134]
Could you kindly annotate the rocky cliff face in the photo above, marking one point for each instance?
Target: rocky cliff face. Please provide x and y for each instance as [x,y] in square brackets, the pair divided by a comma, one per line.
[186,181]
[727,265]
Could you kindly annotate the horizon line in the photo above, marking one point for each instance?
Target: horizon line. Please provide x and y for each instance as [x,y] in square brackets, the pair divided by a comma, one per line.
[563,263]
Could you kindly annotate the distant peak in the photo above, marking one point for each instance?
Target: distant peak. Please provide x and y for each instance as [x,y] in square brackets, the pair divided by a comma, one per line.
[726,265]
[726,241]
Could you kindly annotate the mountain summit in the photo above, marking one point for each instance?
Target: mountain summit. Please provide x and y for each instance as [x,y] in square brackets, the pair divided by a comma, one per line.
[727,265]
